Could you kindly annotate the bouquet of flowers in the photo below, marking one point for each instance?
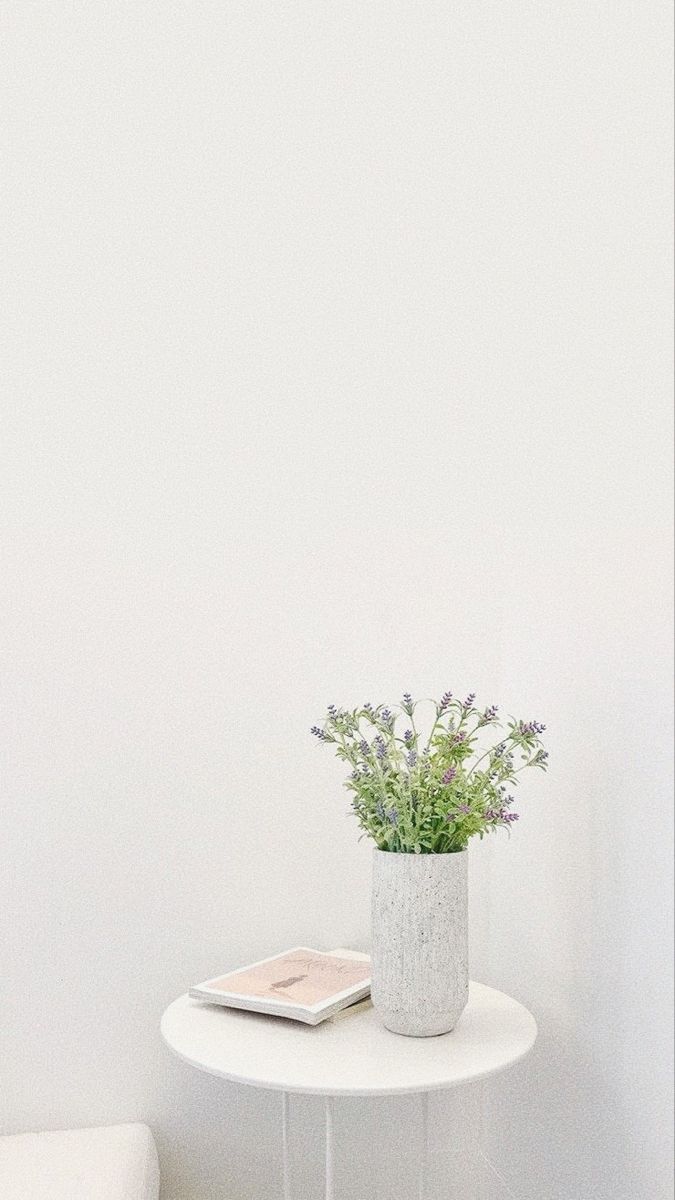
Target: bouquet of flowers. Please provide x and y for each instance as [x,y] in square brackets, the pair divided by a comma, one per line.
[428,794]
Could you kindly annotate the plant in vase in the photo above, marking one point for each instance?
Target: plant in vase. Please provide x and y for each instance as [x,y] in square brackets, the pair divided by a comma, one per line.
[420,795]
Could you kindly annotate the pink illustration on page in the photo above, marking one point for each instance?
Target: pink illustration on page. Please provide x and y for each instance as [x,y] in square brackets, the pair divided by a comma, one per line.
[297,977]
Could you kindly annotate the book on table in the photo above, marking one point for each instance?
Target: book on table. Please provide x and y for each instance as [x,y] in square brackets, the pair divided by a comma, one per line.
[302,984]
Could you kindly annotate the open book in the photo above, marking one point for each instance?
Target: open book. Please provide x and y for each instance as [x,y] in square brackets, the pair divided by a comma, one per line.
[306,985]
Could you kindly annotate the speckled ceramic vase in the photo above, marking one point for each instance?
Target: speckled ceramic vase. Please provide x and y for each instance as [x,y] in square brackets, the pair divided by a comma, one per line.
[420,941]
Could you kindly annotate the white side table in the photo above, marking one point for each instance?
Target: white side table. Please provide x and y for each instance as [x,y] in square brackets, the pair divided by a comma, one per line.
[352,1055]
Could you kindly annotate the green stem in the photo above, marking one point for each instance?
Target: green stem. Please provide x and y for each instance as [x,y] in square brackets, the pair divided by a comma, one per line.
[504,742]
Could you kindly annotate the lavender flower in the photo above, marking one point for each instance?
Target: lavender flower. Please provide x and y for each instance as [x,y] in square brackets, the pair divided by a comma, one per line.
[530,727]
[408,736]
[489,716]
[468,703]
[412,758]
[392,816]
[449,775]
[364,747]
[319,733]
[445,700]
[380,747]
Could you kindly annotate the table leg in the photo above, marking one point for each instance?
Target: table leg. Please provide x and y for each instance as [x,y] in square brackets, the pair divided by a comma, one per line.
[285,1115]
[330,1178]
[424,1154]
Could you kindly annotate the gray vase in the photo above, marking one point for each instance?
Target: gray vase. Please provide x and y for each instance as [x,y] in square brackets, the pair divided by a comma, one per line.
[420,941]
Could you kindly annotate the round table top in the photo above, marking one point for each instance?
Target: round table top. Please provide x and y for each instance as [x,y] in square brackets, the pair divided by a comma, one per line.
[353,1054]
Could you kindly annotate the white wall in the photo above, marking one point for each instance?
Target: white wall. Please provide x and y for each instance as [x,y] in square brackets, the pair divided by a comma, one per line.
[336,364]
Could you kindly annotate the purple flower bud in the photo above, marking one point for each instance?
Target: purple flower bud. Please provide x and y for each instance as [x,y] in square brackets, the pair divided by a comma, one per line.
[445,700]
[318,733]
[364,747]
[408,735]
[449,775]
[469,700]
[332,710]
[530,727]
[386,715]
[380,748]
[412,758]
[407,699]
[392,816]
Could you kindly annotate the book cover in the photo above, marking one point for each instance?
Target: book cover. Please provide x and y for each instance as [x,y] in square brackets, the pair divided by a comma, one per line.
[303,984]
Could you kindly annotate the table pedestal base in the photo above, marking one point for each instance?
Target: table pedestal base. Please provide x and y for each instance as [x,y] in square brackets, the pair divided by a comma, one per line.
[329,1172]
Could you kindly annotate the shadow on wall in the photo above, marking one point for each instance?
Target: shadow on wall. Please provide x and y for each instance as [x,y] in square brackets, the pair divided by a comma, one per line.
[584,1117]
[557,1128]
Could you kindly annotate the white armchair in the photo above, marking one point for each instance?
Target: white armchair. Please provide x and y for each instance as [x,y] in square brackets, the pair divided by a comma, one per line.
[115,1162]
